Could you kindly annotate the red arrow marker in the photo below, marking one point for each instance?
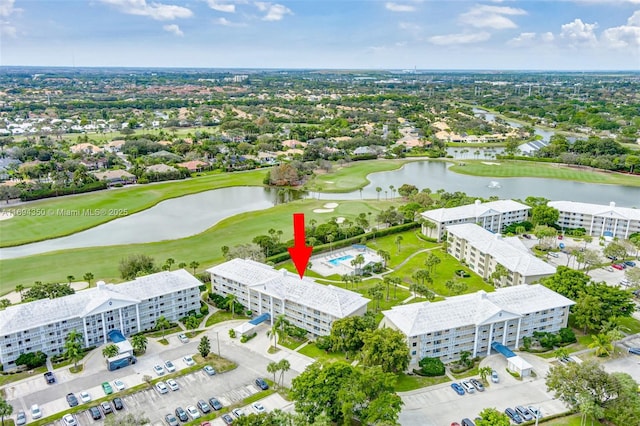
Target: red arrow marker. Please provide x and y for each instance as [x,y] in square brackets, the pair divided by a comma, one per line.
[299,253]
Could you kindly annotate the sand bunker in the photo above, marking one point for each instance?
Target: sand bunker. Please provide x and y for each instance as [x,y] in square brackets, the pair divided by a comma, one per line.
[322,210]
[330,205]
[489,163]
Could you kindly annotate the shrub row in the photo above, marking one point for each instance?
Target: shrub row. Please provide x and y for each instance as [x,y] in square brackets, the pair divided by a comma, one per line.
[48,193]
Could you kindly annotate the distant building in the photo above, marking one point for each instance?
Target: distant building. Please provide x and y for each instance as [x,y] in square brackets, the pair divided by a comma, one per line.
[493,216]
[85,148]
[483,251]
[130,307]
[598,220]
[194,165]
[472,322]
[116,177]
[305,303]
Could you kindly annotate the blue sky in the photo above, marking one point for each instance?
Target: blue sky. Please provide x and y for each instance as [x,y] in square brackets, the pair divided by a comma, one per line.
[343,34]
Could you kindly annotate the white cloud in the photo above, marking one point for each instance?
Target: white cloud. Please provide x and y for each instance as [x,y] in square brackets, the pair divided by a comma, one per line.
[530,39]
[578,32]
[624,36]
[485,16]
[275,12]
[221,6]
[173,28]
[460,38]
[157,11]
[227,23]
[6,7]
[547,37]
[6,29]
[395,7]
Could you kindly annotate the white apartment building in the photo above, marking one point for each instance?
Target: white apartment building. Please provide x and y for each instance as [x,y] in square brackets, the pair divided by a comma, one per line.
[130,307]
[483,251]
[597,219]
[471,322]
[493,216]
[305,303]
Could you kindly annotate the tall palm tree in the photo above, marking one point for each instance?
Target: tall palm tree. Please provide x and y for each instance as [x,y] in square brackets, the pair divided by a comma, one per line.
[162,323]
[73,347]
[378,190]
[283,365]
[19,290]
[398,241]
[273,368]
[194,265]
[602,344]
[88,277]
[385,255]
[231,302]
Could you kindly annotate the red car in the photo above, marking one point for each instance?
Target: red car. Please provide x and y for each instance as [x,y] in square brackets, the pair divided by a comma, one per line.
[617,266]
[455,424]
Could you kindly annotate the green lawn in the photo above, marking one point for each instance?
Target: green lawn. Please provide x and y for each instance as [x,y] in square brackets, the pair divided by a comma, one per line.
[409,245]
[204,248]
[512,168]
[25,229]
[352,176]
[219,316]
[572,420]
[629,325]
[406,383]
[311,350]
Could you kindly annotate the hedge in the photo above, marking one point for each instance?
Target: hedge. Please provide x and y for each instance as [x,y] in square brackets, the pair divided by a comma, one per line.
[49,193]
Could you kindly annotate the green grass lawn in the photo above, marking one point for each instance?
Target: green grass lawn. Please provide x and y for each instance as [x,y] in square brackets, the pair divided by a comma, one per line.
[204,248]
[629,325]
[406,383]
[352,176]
[26,229]
[409,245]
[311,350]
[219,316]
[572,420]
[512,168]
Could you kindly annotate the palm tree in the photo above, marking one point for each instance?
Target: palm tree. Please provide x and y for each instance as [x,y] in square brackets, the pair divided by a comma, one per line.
[378,190]
[385,255]
[330,239]
[19,290]
[88,277]
[110,351]
[277,328]
[139,343]
[392,188]
[484,372]
[602,344]
[169,262]
[273,368]
[194,265]
[231,302]
[70,278]
[162,323]
[182,265]
[399,239]
[283,365]
[73,347]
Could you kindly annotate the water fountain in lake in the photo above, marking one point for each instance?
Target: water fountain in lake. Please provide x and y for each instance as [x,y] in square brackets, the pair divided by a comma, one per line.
[494,185]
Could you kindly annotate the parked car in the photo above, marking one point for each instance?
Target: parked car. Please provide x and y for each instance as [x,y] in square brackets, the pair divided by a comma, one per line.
[494,376]
[209,370]
[625,282]
[173,385]
[217,405]
[635,351]
[630,263]
[72,400]
[535,412]
[608,269]
[227,419]
[106,407]
[118,384]
[617,266]
[171,420]
[169,366]
[203,406]
[69,420]
[158,369]
[162,388]
[189,361]
[95,413]
[456,387]
[476,384]
[524,413]
[21,418]
[106,387]
[85,397]
[183,338]
[182,415]
[238,412]
[49,377]
[262,384]
[467,386]
[614,258]
[36,412]
[259,407]
[553,254]
[193,412]
[118,404]
[467,422]
[513,415]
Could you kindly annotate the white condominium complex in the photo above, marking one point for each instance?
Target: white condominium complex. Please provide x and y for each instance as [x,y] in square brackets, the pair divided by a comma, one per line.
[130,307]
[305,303]
[483,251]
[597,219]
[493,216]
[472,322]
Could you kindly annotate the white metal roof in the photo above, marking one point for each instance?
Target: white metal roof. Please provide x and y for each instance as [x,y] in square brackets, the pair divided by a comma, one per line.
[25,316]
[601,210]
[474,309]
[475,210]
[289,287]
[509,252]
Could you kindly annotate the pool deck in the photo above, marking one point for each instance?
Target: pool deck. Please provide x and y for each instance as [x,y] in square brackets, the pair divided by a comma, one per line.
[321,263]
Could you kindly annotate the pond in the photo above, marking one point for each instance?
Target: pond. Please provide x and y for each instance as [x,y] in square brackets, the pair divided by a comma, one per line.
[192,214]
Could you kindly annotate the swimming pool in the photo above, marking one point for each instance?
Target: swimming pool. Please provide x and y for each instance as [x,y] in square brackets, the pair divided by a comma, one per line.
[339,260]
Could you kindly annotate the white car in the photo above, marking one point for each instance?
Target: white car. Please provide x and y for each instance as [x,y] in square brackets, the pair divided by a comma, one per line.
[69,420]
[118,384]
[468,387]
[188,360]
[173,385]
[158,369]
[161,387]
[183,338]
[259,407]
[238,412]
[36,413]
[85,397]
[169,366]
[494,376]
[193,412]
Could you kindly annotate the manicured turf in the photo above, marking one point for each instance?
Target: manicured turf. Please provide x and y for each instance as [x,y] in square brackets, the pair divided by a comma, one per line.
[311,350]
[49,220]
[204,248]
[543,170]
[352,176]
[406,383]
